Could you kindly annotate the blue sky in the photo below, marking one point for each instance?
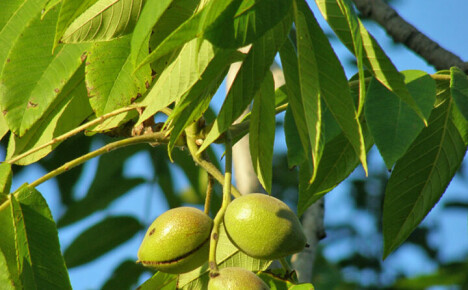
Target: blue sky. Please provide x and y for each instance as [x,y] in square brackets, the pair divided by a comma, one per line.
[443,21]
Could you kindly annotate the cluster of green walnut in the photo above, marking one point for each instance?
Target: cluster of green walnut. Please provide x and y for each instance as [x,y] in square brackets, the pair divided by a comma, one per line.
[259,225]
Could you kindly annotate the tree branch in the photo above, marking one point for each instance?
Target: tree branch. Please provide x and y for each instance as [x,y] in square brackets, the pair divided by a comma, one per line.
[405,33]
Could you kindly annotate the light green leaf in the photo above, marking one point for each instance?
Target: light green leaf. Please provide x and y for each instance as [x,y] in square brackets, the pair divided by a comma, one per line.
[160,280]
[420,177]
[32,77]
[177,79]
[69,11]
[333,85]
[3,126]
[338,161]
[5,277]
[66,112]
[262,131]
[151,13]
[375,58]
[5,178]
[111,79]
[105,236]
[105,20]
[391,121]
[7,240]
[459,90]
[196,101]
[248,79]
[227,255]
[40,262]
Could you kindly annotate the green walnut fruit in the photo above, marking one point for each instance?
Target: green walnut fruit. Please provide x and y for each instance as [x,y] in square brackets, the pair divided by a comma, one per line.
[235,278]
[177,241]
[263,227]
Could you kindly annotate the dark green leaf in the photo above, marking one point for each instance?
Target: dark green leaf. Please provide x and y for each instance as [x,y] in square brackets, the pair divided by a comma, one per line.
[108,185]
[459,89]
[391,121]
[66,112]
[375,58]
[27,91]
[333,85]
[124,276]
[40,262]
[5,178]
[262,131]
[104,20]
[277,279]
[338,161]
[164,176]
[100,239]
[420,177]
[248,79]
[296,155]
[160,280]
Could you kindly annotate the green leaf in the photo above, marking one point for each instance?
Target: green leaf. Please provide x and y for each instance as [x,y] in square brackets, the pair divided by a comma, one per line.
[277,279]
[333,85]
[227,255]
[27,91]
[8,241]
[163,176]
[111,79]
[248,79]
[69,11]
[338,161]
[192,27]
[375,58]
[100,239]
[160,280]
[151,13]
[262,131]
[109,174]
[67,111]
[459,90]
[391,121]
[177,79]
[5,277]
[296,154]
[3,127]
[105,20]
[124,276]
[40,262]
[5,178]
[420,177]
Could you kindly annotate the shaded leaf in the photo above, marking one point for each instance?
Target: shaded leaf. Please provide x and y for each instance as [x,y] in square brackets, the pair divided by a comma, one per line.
[227,255]
[459,90]
[391,121]
[67,111]
[40,262]
[104,20]
[296,154]
[100,238]
[27,91]
[7,241]
[277,279]
[5,178]
[262,131]
[124,276]
[338,161]
[5,277]
[375,58]
[164,177]
[248,79]
[109,175]
[420,177]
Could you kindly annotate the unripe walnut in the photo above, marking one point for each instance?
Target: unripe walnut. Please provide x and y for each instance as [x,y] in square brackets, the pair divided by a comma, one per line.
[235,278]
[177,241]
[263,227]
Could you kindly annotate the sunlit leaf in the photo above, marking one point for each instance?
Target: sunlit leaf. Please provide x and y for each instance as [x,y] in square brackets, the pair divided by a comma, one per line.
[105,20]
[26,90]
[100,238]
[3,127]
[5,178]
[248,79]
[459,90]
[391,121]
[262,131]
[160,280]
[421,176]
[67,111]
[5,277]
